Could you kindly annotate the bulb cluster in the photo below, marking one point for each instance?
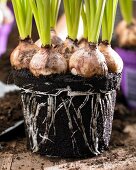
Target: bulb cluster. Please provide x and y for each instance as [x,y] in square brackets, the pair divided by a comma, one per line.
[50,55]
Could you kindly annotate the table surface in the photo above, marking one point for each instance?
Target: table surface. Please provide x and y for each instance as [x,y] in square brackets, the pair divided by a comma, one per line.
[121,157]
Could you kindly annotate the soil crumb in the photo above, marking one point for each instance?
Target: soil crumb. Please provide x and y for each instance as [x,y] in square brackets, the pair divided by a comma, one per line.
[10,110]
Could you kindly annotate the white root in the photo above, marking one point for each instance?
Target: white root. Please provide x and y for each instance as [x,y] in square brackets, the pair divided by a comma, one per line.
[32,108]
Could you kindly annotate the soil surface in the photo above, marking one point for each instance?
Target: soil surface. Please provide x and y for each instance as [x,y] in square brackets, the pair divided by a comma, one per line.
[5,70]
[10,110]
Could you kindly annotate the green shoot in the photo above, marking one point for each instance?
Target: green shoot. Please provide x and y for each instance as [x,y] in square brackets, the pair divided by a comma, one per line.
[72,12]
[93,35]
[83,14]
[127,10]
[104,25]
[41,12]
[55,4]
[88,17]
[94,11]
[23,15]
[68,16]
[90,6]
[109,20]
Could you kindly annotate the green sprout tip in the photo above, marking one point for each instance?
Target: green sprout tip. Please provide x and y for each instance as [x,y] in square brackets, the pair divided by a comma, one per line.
[109,20]
[41,12]
[127,10]
[72,12]
[23,15]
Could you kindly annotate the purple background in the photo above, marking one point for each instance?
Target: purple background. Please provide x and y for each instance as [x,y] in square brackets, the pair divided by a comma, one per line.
[129,74]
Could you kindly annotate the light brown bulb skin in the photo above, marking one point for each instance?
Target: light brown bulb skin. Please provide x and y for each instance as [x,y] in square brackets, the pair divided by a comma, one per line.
[68,48]
[88,62]
[113,60]
[47,62]
[83,43]
[126,34]
[55,40]
[22,54]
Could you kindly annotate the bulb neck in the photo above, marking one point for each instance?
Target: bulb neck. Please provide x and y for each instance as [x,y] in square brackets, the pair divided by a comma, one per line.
[93,46]
[26,40]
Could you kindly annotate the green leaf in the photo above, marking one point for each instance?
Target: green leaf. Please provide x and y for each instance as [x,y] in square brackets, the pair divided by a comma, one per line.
[68,15]
[109,20]
[105,25]
[83,14]
[23,15]
[72,12]
[127,10]
[55,4]
[41,11]
[95,32]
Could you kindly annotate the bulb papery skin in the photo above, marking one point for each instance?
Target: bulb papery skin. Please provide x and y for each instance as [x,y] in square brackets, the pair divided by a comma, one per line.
[83,43]
[55,40]
[47,62]
[126,34]
[88,62]
[113,60]
[22,55]
[68,48]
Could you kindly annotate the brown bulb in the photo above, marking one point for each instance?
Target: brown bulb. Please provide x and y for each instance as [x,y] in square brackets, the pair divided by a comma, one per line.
[83,43]
[88,62]
[126,34]
[68,48]
[46,62]
[113,60]
[22,54]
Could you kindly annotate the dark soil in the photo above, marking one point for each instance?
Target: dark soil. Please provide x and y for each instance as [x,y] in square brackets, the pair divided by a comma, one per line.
[5,70]
[10,110]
